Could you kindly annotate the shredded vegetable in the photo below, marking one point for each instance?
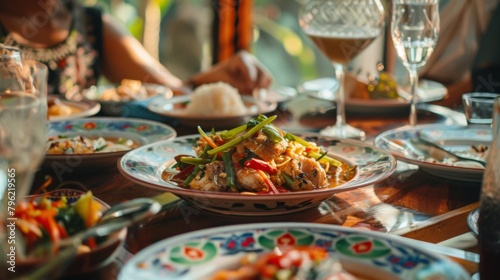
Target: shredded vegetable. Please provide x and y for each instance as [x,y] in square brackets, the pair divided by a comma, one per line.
[258,158]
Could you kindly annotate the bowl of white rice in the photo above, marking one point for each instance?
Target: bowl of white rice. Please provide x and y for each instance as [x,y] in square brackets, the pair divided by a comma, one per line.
[216,99]
[216,105]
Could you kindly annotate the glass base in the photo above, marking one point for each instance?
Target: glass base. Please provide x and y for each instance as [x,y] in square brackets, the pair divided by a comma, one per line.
[344,131]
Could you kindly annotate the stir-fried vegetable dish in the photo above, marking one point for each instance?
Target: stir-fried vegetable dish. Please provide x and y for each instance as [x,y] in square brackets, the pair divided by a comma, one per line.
[84,145]
[307,262]
[257,157]
[45,222]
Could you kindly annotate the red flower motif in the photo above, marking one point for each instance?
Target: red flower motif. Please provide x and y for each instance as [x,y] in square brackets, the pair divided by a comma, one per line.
[142,127]
[231,245]
[362,247]
[89,125]
[286,239]
[193,253]
[68,126]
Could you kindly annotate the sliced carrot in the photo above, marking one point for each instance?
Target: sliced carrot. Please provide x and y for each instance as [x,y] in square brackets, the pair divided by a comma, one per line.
[268,181]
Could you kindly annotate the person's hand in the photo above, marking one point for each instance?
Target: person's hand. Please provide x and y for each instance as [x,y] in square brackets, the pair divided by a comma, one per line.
[242,71]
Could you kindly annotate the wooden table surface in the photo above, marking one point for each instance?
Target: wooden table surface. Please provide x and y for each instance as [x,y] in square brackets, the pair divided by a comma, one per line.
[409,203]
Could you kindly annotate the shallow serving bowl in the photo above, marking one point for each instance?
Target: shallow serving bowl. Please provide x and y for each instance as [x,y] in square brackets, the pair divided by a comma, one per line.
[145,166]
[140,131]
[83,262]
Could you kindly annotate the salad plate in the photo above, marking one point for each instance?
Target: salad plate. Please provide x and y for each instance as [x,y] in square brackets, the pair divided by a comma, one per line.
[428,91]
[84,261]
[361,253]
[113,130]
[62,109]
[462,140]
[175,108]
[148,164]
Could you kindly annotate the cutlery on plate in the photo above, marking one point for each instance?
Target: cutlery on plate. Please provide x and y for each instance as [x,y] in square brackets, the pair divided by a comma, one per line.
[432,150]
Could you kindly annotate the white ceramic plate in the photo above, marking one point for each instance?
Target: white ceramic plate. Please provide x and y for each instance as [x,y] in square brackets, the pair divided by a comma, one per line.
[428,91]
[140,131]
[175,106]
[146,164]
[371,255]
[454,138]
[117,108]
[79,109]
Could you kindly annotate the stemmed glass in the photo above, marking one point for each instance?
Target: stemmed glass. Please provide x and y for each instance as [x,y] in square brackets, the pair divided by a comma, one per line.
[342,29]
[414,32]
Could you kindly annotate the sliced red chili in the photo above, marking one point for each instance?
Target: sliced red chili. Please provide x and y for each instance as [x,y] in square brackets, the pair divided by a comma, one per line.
[259,164]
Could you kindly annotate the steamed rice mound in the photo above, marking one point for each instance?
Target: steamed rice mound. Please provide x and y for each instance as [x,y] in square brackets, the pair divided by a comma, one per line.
[215,99]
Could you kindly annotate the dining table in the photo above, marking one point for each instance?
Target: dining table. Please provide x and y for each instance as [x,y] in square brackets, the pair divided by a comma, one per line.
[409,203]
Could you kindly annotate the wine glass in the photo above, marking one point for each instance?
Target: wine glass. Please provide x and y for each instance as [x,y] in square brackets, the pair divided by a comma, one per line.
[342,29]
[414,32]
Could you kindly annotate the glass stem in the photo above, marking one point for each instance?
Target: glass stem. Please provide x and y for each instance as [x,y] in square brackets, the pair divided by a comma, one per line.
[414,96]
[340,96]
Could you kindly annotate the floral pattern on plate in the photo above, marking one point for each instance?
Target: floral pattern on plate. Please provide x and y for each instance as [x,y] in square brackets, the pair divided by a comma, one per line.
[199,254]
[455,138]
[140,131]
[146,164]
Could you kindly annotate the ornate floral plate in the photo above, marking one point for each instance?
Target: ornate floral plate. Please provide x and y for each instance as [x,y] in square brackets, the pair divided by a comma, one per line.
[371,255]
[140,131]
[146,164]
[175,108]
[455,138]
[428,91]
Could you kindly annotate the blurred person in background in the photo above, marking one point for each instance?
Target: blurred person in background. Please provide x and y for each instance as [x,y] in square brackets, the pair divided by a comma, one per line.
[79,44]
[466,56]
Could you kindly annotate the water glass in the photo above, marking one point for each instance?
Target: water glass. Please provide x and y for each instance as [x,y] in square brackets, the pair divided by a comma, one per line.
[478,107]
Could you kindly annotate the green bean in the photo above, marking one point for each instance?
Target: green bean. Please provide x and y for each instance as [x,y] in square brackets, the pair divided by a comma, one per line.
[229,169]
[237,140]
[319,156]
[195,161]
[297,139]
[288,180]
[191,176]
[228,134]
[272,133]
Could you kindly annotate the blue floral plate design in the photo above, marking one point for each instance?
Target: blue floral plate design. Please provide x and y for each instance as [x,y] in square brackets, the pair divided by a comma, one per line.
[455,138]
[366,254]
[146,164]
[140,131]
